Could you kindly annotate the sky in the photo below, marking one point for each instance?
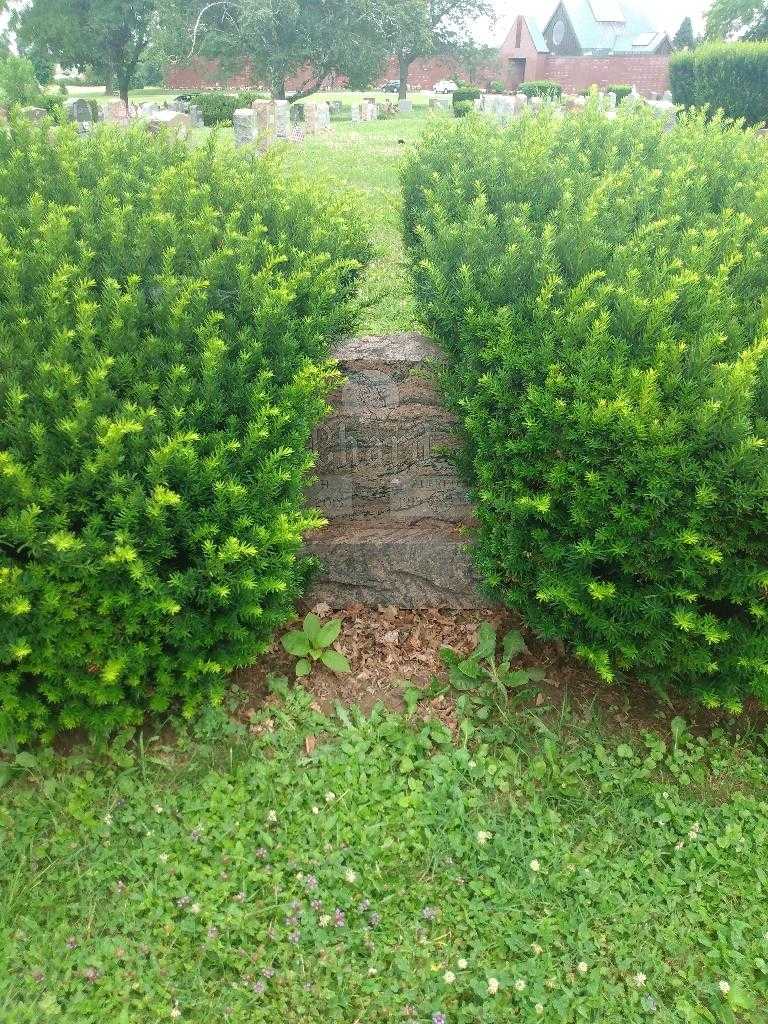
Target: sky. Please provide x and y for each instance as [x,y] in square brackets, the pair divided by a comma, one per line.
[665,14]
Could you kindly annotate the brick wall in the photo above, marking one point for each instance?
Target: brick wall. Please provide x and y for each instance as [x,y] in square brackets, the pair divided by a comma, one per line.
[648,74]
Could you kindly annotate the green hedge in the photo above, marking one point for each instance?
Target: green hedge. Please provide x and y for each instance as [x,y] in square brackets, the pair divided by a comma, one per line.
[218,107]
[599,286]
[165,314]
[547,90]
[732,77]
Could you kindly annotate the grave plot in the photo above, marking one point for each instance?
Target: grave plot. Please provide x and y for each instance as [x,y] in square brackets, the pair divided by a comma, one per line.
[397,511]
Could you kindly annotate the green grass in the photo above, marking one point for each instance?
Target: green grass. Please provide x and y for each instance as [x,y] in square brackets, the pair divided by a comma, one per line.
[596,880]
[364,160]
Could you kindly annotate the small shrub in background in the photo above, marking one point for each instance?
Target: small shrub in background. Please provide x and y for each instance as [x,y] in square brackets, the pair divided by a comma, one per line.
[732,77]
[218,107]
[464,99]
[497,87]
[546,90]
[165,314]
[599,286]
[621,91]
[18,84]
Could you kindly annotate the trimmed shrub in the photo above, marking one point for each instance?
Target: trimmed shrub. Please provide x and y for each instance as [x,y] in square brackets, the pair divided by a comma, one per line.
[497,87]
[547,90]
[732,77]
[18,83]
[464,100]
[621,91]
[218,107]
[165,316]
[599,286]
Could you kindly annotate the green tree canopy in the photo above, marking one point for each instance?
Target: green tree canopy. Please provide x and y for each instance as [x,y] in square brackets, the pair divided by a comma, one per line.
[108,35]
[684,37]
[424,28]
[738,19]
[283,39]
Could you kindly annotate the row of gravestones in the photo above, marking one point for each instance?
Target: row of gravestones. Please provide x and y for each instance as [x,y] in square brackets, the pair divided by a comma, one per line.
[270,119]
[85,114]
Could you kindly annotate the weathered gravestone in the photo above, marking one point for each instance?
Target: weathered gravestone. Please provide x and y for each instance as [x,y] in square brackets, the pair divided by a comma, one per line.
[444,103]
[80,111]
[282,118]
[311,119]
[34,113]
[395,506]
[355,112]
[170,120]
[265,117]
[115,112]
[405,106]
[245,123]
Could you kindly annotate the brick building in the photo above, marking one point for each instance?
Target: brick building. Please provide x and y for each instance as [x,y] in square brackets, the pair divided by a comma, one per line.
[584,43]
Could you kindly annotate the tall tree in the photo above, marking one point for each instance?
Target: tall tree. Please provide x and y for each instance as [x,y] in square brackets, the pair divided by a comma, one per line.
[684,37]
[738,19]
[107,35]
[283,39]
[425,28]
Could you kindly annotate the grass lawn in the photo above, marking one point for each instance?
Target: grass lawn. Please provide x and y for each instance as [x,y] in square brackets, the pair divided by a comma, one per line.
[308,869]
[363,159]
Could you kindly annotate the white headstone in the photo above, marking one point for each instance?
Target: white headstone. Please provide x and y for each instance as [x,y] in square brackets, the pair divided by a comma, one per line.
[245,123]
[405,106]
[282,119]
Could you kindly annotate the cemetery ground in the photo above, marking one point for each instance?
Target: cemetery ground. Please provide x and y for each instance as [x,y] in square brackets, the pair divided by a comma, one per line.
[382,846]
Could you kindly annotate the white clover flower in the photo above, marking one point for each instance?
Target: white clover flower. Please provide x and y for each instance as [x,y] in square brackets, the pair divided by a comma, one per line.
[493,986]
[195,908]
[163,858]
[639,979]
[724,987]
[372,971]
[350,876]
[538,1009]
[324,920]
[157,808]
[534,865]
[520,985]
[680,845]
[107,819]
[175,1012]
[462,964]
[330,796]
[315,810]
[537,949]
[551,982]
[582,967]
[272,816]
[449,977]
[483,837]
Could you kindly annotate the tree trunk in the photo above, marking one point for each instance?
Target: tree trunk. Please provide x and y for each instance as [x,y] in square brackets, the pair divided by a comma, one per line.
[278,89]
[404,64]
[109,82]
[124,81]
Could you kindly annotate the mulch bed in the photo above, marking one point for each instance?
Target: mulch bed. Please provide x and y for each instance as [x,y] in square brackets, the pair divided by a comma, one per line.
[390,648]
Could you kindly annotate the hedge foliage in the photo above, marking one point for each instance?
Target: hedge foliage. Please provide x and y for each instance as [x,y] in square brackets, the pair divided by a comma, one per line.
[547,90]
[218,107]
[165,314]
[620,91]
[600,288]
[732,77]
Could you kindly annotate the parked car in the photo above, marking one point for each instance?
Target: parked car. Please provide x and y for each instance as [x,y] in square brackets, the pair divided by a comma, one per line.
[444,85]
[392,86]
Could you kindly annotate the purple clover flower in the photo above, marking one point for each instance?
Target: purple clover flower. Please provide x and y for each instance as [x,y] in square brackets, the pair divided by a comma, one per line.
[259,988]
[374,919]
[438,1018]
[294,937]
[317,904]
[429,913]
[338,918]
[311,882]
